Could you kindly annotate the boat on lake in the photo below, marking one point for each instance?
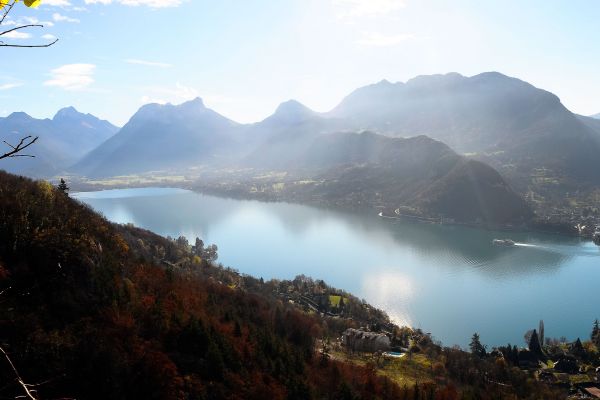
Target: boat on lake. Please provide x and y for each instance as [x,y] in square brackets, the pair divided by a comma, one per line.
[503,242]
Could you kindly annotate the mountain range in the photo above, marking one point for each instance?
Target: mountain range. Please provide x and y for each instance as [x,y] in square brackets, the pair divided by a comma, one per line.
[160,137]
[517,128]
[63,140]
[505,122]
[420,175]
[525,133]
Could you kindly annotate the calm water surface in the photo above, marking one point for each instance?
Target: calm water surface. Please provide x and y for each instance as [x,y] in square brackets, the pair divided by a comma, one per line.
[447,280]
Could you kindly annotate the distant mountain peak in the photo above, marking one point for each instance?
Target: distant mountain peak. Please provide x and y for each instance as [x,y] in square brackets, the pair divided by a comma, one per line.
[435,79]
[67,112]
[292,107]
[384,82]
[19,116]
[597,116]
[197,102]
[493,74]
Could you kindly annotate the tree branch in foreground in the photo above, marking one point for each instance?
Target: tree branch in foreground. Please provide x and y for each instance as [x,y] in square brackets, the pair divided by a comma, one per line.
[22,145]
[2,44]
[29,393]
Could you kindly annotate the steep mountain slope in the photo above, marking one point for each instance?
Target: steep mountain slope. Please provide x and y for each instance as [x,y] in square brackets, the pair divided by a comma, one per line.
[94,310]
[524,132]
[289,131]
[366,169]
[592,123]
[62,140]
[506,122]
[79,132]
[418,172]
[160,137]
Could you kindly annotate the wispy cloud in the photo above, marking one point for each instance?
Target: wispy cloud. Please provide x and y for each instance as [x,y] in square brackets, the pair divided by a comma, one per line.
[148,63]
[33,20]
[135,3]
[375,39]
[72,76]
[48,36]
[63,18]
[366,8]
[27,21]
[7,86]
[57,3]
[16,35]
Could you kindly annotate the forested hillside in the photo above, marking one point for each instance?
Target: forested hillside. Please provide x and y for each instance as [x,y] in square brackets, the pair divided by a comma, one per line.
[85,309]
[93,310]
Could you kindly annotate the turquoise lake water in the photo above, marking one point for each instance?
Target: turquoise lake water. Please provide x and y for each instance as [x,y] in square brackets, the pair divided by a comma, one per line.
[448,280]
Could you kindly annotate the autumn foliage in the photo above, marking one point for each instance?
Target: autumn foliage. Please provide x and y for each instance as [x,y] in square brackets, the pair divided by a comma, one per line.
[94,310]
[85,312]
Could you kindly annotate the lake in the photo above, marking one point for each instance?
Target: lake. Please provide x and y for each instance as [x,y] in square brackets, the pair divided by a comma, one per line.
[447,280]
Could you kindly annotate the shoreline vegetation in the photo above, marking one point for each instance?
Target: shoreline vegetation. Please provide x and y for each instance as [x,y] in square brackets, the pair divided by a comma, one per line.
[130,314]
[241,190]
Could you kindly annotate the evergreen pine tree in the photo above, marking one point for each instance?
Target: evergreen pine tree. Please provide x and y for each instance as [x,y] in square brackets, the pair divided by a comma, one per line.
[577,348]
[596,333]
[62,186]
[534,344]
[476,347]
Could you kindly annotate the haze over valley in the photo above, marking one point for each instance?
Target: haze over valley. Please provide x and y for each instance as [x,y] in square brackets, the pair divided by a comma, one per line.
[425,146]
[298,200]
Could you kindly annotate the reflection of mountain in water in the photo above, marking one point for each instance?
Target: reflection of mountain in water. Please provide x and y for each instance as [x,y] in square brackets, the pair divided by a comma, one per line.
[453,248]
[437,277]
[169,212]
[470,248]
[446,245]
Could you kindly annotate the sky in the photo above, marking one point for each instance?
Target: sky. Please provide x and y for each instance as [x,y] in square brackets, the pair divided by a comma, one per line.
[244,57]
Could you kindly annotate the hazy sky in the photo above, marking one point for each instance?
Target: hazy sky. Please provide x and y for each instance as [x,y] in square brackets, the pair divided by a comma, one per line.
[244,57]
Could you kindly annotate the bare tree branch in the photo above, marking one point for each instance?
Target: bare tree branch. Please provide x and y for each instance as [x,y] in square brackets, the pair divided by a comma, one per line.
[29,393]
[8,8]
[22,145]
[28,45]
[2,44]
[5,290]
[20,27]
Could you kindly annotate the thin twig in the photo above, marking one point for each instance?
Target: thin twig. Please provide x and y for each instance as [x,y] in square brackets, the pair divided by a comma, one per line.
[28,392]
[9,7]
[19,147]
[30,45]
[20,27]
[2,44]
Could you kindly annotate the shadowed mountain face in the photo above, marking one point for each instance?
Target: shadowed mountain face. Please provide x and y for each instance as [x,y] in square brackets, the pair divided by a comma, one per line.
[160,137]
[418,172]
[597,116]
[519,129]
[523,132]
[506,122]
[62,140]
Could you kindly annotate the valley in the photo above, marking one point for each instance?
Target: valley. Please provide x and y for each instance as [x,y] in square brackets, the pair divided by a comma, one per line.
[405,268]
[299,200]
[490,152]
